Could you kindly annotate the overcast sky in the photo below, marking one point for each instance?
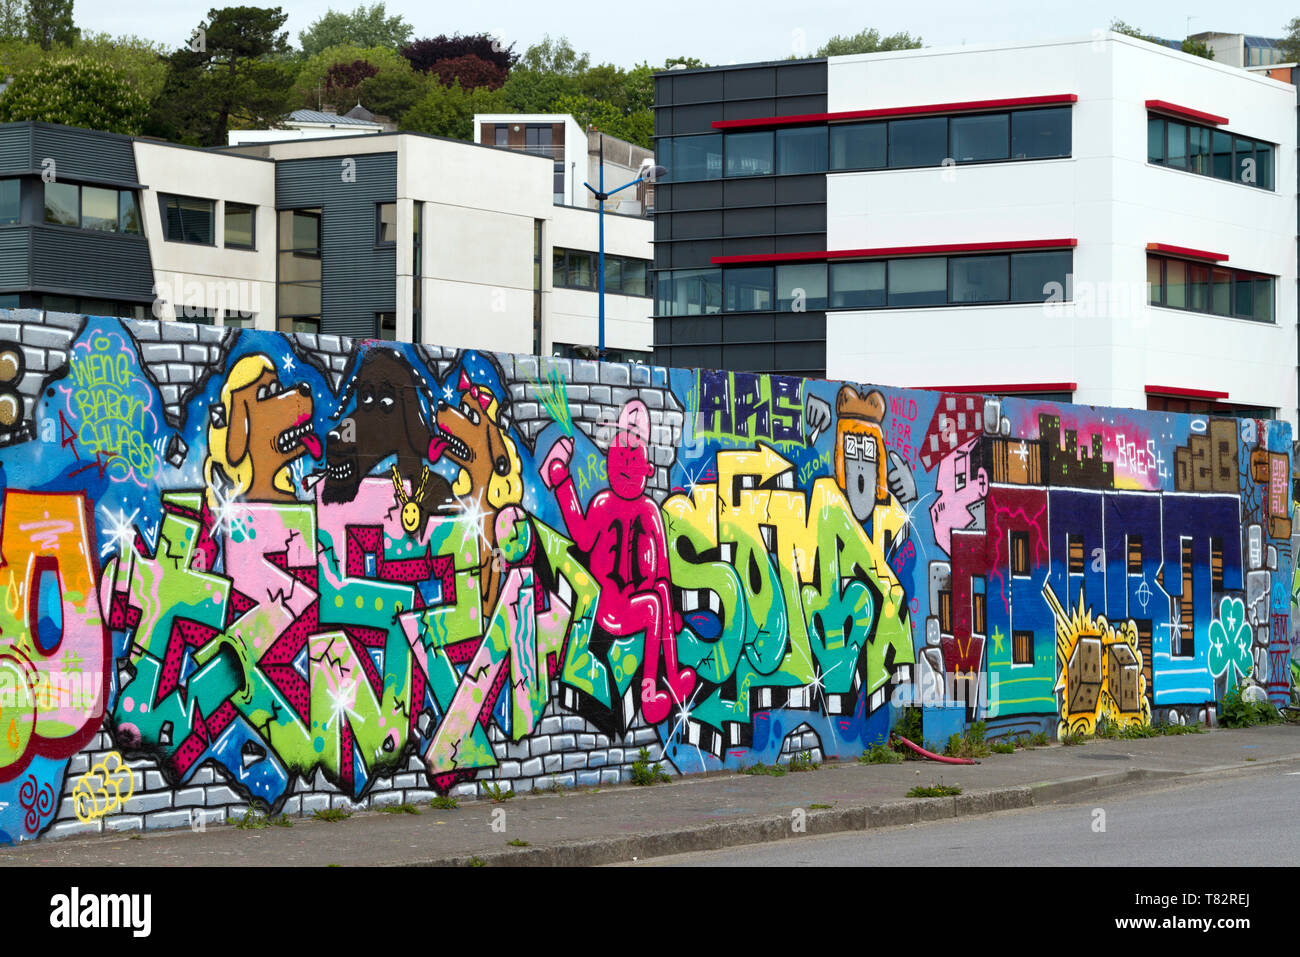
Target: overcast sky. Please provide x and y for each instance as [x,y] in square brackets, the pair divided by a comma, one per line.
[725,32]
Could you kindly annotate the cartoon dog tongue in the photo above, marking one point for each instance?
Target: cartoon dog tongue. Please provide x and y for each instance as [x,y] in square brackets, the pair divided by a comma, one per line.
[313,443]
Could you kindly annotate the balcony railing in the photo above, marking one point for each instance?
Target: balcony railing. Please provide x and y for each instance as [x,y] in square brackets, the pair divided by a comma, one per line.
[554,152]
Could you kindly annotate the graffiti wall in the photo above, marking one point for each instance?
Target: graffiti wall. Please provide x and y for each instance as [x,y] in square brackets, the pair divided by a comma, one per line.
[297,571]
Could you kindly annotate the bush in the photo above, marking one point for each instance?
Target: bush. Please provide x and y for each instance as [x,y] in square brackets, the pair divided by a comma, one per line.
[1239,713]
[644,773]
[76,93]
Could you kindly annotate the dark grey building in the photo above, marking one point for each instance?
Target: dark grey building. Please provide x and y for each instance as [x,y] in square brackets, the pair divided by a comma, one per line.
[769,198]
[71,234]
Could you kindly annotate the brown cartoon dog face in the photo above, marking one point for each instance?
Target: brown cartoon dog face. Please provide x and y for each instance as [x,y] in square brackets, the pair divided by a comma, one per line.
[470,436]
[860,450]
[261,429]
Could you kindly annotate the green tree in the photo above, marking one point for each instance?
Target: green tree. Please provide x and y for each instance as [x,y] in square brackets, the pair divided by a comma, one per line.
[555,56]
[1290,44]
[690,62]
[868,41]
[310,74]
[364,27]
[76,93]
[637,127]
[142,62]
[449,110]
[1194,47]
[13,19]
[232,74]
[392,92]
[49,22]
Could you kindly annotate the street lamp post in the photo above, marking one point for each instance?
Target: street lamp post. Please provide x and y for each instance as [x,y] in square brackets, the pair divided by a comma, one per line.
[649,174]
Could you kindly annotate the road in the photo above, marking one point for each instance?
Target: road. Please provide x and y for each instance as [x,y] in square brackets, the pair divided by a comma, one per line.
[1241,818]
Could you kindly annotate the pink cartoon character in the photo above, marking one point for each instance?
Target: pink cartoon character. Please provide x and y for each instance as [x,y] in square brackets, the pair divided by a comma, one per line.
[623,533]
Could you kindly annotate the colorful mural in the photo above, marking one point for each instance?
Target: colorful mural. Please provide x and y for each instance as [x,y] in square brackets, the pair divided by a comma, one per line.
[294,570]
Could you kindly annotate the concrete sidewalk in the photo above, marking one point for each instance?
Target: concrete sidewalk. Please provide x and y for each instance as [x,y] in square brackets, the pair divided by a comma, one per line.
[608,825]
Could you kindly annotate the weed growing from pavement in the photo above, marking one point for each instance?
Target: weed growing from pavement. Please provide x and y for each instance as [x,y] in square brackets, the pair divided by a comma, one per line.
[969,744]
[441,803]
[644,773]
[820,807]
[939,790]
[1239,713]
[880,754]
[400,809]
[518,842]
[253,820]
[1003,747]
[497,793]
[772,770]
[332,814]
[477,862]
[803,761]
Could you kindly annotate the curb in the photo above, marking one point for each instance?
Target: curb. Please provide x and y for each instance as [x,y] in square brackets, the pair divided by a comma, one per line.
[624,848]
[712,837]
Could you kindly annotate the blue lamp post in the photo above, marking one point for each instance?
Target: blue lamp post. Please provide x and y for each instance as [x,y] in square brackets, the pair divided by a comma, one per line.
[648,174]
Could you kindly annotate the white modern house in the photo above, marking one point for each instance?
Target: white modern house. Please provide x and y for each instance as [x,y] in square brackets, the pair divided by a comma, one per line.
[1102,220]
[385,235]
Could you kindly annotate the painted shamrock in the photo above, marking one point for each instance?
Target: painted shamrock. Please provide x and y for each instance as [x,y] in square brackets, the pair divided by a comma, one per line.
[1230,639]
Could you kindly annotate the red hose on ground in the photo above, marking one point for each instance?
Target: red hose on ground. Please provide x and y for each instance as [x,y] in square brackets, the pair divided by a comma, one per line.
[931,755]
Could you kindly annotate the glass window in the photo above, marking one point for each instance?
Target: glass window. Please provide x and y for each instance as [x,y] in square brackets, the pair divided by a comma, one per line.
[858,146]
[1039,134]
[857,285]
[501,135]
[386,326]
[664,294]
[307,324]
[801,287]
[1221,295]
[1033,275]
[978,278]
[1264,165]
[1221,147]
[239,225]
[982,137]
[1264,300]
[918,282]
[1198,280]
[748,290]
[187,220]
[1243,304]
[1246,168]
[1156,140]
[920,142]
[128,213]
[696,157]
[1176,145]
[1154,291]
[385,222]
[1198,150]
[582,270]
[10,201]
[99,209]
[304,230]
[634,277]
[61,204]
[559,277]
[801,150]
[1175,284]
[613,274]
[696,292]
[749,154]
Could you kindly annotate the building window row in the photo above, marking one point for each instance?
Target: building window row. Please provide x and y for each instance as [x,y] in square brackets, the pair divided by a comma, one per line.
[904,143]
[97,208]
[576,269]
[867,284]
[190,219]
[1209,152]
[1217,290]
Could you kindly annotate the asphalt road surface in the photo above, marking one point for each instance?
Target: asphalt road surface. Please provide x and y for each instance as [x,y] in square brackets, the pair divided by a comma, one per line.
[1248,818]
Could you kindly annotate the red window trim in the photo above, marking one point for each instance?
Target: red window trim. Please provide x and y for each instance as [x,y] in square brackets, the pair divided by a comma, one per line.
[1180,392]
[1186,252]
[1186,112]
[1008,388]
[968,106]
[881,252]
